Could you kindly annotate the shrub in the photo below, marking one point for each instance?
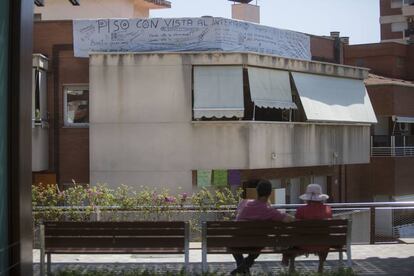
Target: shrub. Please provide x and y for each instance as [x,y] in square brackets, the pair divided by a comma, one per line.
[79,202]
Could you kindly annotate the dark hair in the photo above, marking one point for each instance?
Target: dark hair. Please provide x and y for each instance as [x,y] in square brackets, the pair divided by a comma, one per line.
[264,188]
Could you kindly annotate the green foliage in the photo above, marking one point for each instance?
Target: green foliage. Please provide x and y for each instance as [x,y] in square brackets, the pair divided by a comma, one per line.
[80,202]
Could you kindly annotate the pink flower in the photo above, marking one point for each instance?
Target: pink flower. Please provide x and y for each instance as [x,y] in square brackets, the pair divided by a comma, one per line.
[169,199]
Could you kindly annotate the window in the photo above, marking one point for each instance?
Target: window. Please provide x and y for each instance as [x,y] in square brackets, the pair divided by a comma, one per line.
[218,92]
[396,4]
[408,2]
[400,62]
[360,62]
[399,26]
[76,106]
[37,17]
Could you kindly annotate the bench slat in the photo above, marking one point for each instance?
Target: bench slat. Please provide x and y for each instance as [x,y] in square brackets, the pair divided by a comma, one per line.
[113,232]
[241,242]
[311,241]
[104,242]
[237,231]
[267,250]
[98,250]
[264,224]
[115,224]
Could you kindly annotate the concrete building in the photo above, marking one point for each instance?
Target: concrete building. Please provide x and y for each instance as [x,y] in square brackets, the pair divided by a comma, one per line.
[202,117]
[80,9]
[159,139]
[70,145]
[397,20]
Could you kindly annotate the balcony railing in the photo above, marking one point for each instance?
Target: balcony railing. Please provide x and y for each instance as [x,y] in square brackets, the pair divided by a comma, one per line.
[409,33]
[408,9]
[392,146]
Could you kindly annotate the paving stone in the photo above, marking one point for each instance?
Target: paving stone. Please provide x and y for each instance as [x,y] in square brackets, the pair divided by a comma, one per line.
[388,259]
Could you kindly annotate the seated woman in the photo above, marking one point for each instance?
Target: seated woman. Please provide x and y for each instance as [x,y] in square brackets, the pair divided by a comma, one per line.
[315,209]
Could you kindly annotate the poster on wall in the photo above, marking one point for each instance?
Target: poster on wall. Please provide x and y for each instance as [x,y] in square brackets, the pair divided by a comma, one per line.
[186,34]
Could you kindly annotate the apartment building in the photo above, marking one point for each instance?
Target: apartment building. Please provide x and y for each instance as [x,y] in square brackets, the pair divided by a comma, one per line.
[290,153]
[60,150]
[166,144]
[243,114]
[391,89]
[397,20]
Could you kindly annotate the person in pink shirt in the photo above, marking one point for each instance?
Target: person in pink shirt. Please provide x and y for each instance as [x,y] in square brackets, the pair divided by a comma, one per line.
[256,210]
[315,209]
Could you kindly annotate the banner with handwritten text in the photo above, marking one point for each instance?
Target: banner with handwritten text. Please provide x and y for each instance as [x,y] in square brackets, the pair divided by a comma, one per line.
[186,34]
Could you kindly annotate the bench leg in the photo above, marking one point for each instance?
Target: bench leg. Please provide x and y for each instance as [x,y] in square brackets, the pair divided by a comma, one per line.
[341,259]
[42,262]
[292,265]
[204,267]
[186,262]
[187,248]
[349,244]
[42,250]
[49,264]
[349,257]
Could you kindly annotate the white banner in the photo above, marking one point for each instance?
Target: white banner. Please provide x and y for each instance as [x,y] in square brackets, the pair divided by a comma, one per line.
[186,34]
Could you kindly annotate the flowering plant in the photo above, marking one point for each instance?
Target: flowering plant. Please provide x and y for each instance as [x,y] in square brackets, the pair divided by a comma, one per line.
[84,202]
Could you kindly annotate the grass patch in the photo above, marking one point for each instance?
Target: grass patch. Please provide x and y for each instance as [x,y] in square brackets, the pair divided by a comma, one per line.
[104,272]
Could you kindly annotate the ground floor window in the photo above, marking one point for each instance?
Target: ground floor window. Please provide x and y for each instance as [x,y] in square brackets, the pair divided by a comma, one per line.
[76,105]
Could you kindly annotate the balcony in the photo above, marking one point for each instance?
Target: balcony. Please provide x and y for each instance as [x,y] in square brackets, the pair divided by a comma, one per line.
[409,34]
[257,145]
[392,146]
[408,8]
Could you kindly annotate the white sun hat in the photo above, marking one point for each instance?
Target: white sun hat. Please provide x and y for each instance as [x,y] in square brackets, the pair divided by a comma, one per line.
[314,193]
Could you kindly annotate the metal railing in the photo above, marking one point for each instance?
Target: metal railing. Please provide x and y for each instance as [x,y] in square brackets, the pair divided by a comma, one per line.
[372,222]
[409,2]
[392,152]
[392,146]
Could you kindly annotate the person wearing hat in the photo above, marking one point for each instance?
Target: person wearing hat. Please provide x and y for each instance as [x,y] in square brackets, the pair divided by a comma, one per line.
[315,209]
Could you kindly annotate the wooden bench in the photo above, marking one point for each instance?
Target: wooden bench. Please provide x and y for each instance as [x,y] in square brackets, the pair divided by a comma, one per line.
[113,238]
[227,237]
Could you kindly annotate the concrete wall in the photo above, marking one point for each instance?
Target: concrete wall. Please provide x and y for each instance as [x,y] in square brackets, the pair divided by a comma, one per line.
[63,9]
[142,133]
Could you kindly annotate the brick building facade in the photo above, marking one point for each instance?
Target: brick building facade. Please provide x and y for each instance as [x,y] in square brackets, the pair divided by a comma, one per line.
[391,89]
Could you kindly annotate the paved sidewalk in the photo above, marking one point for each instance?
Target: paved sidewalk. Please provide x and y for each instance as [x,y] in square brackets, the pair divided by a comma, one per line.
[385,259]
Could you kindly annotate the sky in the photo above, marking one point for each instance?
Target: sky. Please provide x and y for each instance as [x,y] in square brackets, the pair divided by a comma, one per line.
[358,19]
